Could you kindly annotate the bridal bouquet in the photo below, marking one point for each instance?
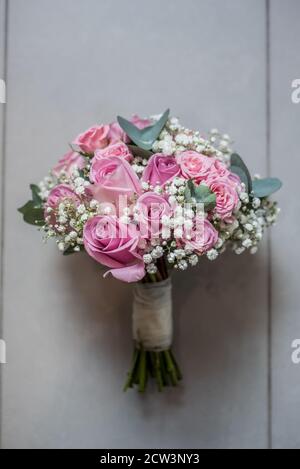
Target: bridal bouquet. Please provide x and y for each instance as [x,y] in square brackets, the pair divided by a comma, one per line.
[144,197]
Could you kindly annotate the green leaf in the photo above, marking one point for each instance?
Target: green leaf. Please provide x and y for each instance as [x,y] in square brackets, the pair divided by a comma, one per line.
[236,161]
[189,191]
[83,175]
[32,214]
[144,138]
[137,151]
[36,198]
[266,187]
[205,196]
[242,175]
[202,194]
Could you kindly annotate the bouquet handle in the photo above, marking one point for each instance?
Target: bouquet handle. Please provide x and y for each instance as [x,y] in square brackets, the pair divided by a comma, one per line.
[153,335]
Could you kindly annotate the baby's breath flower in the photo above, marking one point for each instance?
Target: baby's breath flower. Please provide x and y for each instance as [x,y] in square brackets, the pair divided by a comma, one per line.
[147,258]
[151,269]
[212,254]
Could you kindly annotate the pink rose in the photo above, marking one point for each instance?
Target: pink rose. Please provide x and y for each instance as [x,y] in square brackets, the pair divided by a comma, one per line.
[151,208]
[116,134]
[203,237]
[114,245]
[227,198]
[68,163]
[160,170]
[139,122]
[119,150]
[194,165]
[234,179]
[113,177]
[220,171]
[92,139]
[59,194]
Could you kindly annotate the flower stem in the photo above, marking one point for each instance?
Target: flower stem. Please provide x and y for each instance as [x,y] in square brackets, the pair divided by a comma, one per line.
[160,366]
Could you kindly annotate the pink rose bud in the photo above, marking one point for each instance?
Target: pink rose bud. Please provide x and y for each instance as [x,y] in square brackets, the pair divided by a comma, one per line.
[93,139]
[120,150]
[68,163]
[139,122]
[60,194]
[116,134]
[195,166]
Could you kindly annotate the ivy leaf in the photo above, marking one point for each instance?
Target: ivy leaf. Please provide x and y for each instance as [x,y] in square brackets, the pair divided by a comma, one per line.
[144,138]
[36,198]
[32,214]
[237,162]
[201,194]
[266,187]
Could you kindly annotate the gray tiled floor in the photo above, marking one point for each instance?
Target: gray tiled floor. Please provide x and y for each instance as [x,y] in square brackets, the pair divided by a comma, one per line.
[72,63]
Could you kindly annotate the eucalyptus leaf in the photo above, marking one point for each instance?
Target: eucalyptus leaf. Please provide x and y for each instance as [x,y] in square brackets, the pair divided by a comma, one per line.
[36,198]
[242,175]
[32,214]
[206,196]
[266,187]
[137,151]
[201,194]
[83,175]
[189,191]
[236,161]
[144,138]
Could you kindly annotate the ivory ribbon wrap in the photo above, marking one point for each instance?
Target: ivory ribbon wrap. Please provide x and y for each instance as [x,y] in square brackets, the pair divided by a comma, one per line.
[152,315]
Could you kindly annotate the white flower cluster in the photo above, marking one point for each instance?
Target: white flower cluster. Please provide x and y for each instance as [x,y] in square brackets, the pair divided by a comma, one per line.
[46,185]
[175,139]
[67,222]
[178,258]
[253,218]
[139,164]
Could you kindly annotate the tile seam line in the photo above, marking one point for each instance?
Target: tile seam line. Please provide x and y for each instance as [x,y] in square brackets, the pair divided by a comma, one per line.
[269,245]
[3,186]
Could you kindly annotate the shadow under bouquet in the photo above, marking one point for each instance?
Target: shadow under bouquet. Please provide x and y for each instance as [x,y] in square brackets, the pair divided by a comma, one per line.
[144,197]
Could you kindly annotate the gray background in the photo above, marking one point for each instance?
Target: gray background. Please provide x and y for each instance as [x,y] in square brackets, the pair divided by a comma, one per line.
[216,63]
